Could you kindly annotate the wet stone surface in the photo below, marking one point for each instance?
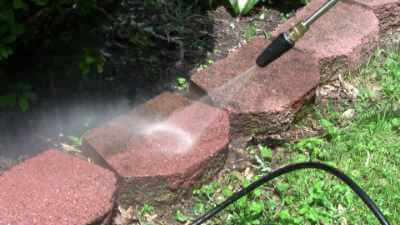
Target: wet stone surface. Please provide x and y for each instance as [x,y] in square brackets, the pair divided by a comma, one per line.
[170,150]
[259,100]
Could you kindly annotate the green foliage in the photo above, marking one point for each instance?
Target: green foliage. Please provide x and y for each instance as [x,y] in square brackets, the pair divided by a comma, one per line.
[181,83]
[205,65]
[75,141]
[312,147]
[10,28]
[91,61]
[146,209]
[242,7]
[265,152]
[390,75]
[19,96]
[180,217]
[359,148]
[248,210]
[140,39]
[14,13]
[250,31]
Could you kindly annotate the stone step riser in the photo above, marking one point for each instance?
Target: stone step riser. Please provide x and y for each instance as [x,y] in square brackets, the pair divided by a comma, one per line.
[82,193]
[136,146]
[342,44]
[387,11]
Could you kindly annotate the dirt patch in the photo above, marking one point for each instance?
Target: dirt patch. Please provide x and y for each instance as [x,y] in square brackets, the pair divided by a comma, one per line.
[138,65]
[231,32]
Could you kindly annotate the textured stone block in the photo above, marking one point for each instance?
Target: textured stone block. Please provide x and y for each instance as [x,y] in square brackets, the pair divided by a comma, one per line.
[342,39]
[163,157]
[259,100]
[112,136]
[387,11]
[56,188]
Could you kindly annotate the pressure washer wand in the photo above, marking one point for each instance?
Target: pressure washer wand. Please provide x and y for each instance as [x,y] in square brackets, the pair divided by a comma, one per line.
[286,40]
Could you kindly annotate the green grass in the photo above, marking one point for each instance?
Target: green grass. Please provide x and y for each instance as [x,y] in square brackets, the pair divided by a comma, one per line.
[366,147]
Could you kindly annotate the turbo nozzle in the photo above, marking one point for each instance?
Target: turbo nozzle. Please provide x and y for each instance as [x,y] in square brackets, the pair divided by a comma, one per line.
[285,41]
[277,48]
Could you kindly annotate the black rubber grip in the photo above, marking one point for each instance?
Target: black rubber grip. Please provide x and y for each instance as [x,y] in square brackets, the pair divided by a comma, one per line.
[277,48]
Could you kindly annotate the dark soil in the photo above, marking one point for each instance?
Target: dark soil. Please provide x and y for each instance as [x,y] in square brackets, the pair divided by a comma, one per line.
[138,66]
[144,49]
[140,61]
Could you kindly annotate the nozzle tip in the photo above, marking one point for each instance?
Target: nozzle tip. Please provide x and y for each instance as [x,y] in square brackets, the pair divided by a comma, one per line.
[273,51]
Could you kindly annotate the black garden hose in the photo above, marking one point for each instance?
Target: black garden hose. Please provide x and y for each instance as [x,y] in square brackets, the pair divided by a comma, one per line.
[283,43]
[290,168]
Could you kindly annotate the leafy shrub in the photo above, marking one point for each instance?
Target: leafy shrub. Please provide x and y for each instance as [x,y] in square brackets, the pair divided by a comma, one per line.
[242,7]
[20,95]
[15,13]
[91,60]
[10,29]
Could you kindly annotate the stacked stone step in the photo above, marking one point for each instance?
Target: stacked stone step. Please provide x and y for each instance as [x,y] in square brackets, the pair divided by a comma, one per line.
[387,11]
[341,40]
[161,148]
[149,166]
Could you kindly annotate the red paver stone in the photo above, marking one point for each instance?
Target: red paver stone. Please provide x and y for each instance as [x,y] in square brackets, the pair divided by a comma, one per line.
[387,11]
[113,135]
[164,157]
[55,188]
[260,100]
[341,39]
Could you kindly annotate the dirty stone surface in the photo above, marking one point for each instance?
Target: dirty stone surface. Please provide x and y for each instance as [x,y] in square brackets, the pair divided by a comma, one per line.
[260,100]
[340,44]
[185,142]
[387,11]
[56,188]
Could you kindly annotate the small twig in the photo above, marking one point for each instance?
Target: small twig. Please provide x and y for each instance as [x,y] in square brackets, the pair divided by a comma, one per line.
[104,12]
[175,40]
[119,45]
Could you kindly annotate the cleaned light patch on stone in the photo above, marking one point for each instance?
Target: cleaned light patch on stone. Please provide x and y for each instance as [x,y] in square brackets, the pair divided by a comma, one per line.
[182,142]
[172,145]
[55,188]
[110,138]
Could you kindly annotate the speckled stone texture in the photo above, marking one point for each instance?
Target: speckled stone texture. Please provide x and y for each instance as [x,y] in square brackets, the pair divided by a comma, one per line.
[387,11]
[56,188]
[260,100]
[342,39]
[112,136]
[163,157]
